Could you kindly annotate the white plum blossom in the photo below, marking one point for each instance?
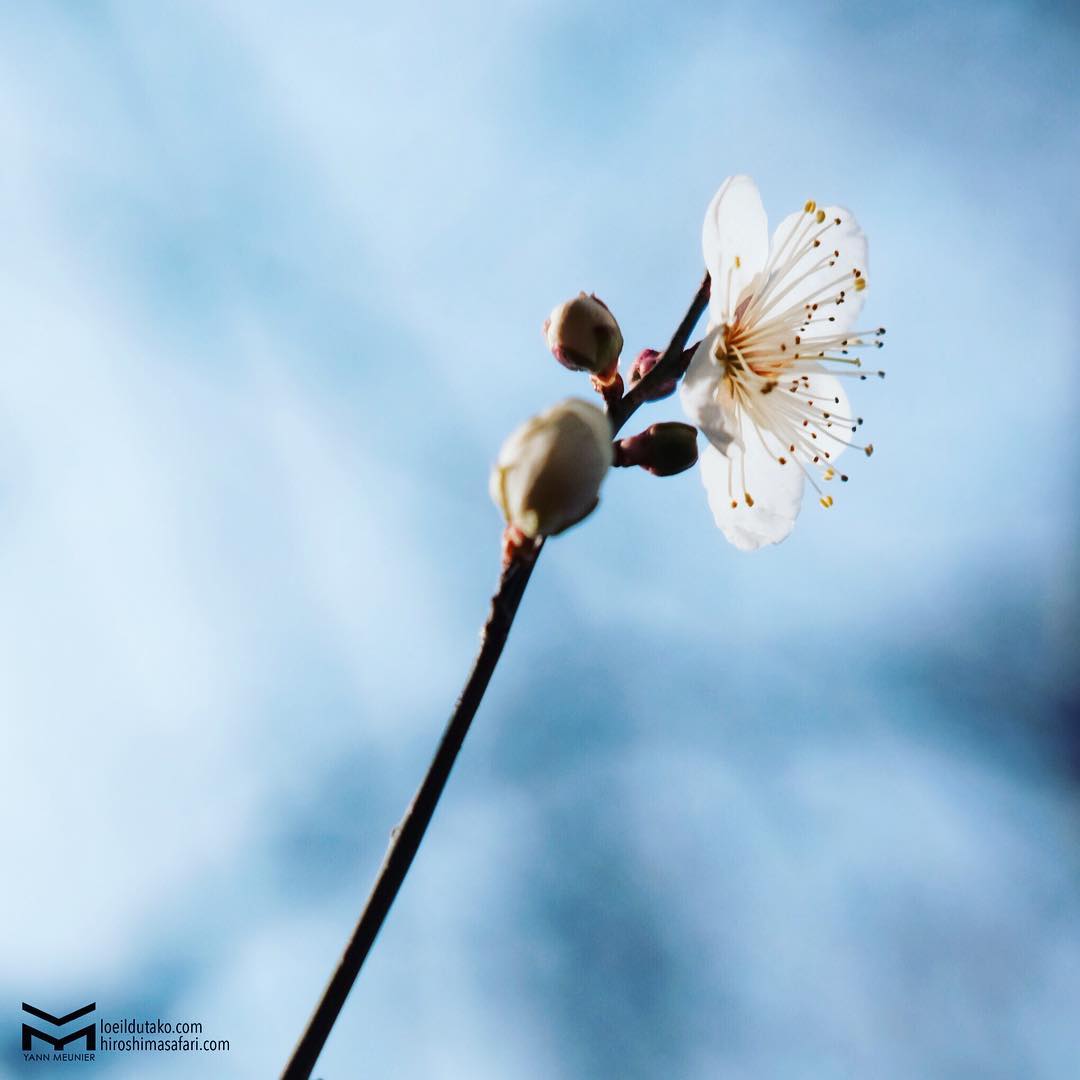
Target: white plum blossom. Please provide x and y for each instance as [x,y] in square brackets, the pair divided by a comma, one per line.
[764,385]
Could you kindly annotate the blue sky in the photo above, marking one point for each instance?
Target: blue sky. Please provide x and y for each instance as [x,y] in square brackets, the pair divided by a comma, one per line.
[272,288]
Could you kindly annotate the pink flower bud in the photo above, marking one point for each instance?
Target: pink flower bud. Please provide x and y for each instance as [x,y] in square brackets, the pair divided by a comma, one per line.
[646,360]
[663,449]
[583,335]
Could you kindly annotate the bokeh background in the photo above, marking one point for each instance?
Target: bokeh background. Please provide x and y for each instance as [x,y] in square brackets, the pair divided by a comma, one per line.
[271,285]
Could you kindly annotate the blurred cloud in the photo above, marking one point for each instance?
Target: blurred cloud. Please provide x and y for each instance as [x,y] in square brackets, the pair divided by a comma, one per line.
[271,290]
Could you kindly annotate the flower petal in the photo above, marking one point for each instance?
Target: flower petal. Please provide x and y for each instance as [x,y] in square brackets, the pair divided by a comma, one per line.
[702,393]
[735,242]
[775,490]
[843,245]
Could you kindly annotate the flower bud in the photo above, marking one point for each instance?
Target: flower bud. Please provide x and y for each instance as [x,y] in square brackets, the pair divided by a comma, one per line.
[549,471]
[646,360]
[663,449]
[584,336]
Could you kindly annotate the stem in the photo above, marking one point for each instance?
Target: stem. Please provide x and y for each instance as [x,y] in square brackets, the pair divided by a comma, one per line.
[405,840]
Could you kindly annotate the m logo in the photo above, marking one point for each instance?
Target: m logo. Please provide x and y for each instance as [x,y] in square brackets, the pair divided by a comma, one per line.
[58,1042]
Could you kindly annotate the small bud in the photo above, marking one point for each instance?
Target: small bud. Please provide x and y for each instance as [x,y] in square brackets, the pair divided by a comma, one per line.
[549,471]
[663,449]
[584,336]
[646,360]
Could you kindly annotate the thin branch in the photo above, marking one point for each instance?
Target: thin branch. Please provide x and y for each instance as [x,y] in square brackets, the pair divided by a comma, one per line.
[672,364]
[406,838]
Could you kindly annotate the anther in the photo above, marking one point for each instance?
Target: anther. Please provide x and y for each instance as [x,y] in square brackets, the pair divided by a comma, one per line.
[810,206]
[820,216]
[826,501]
[749,498]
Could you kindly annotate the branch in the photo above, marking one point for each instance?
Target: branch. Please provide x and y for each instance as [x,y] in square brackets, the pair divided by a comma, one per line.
[672,364]
[406,838]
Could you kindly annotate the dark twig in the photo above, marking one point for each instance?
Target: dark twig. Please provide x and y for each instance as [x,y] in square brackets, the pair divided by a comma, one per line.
[406,838]
[672,364]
